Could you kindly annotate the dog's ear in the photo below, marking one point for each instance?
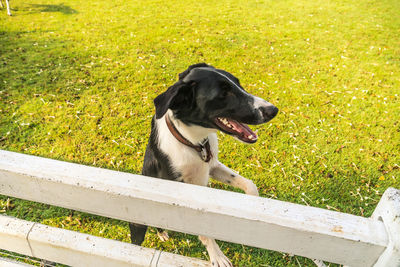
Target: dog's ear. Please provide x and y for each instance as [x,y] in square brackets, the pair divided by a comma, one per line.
[174,95]
[180,94]
[198,65]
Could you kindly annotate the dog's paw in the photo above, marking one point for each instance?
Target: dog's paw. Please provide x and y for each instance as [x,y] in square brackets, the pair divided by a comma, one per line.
[163,236]
[218,259]
[251,189]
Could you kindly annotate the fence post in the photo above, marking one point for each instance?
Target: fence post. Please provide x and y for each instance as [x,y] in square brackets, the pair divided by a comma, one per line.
[388,211]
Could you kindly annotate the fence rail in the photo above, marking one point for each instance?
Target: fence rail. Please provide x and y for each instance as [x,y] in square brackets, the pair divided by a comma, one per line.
[77,249]
[254,221]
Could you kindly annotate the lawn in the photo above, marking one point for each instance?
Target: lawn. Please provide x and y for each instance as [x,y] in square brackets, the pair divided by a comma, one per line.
[77,81]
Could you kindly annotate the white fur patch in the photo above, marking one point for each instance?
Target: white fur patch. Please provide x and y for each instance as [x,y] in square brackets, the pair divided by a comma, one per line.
[184,159]
[259,102]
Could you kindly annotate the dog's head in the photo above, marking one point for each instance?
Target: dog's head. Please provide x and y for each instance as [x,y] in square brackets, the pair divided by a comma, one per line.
[213,98]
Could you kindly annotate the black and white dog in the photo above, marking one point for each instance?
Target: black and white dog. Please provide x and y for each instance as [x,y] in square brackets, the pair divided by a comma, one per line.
[183,143]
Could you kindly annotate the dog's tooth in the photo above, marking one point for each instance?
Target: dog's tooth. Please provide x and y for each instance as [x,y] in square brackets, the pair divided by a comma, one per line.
[226,122]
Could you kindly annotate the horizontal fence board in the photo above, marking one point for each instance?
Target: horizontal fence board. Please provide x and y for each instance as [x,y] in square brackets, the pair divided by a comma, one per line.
[229,216]
[77,249]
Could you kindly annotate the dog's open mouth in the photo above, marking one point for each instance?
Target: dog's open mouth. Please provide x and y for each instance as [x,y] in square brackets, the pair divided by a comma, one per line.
[237,129]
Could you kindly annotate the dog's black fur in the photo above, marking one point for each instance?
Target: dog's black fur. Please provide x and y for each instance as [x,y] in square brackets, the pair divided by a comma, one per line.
[201,96]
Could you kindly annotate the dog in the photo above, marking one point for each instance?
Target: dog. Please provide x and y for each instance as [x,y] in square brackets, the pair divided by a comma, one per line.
[183,144]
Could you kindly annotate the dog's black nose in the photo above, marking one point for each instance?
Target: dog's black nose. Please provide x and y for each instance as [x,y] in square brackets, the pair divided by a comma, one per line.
[269,112]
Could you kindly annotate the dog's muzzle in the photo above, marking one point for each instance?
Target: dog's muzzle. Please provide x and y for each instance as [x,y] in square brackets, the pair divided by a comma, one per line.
[268,112]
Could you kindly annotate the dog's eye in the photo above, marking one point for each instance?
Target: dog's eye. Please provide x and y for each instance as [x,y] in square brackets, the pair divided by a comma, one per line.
[225,86]
[225,90]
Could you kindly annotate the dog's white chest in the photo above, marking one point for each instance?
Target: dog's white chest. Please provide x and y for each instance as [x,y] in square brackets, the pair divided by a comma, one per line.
[189,164]
[185,160]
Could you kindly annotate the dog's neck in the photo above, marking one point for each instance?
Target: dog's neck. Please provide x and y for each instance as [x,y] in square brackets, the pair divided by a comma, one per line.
[194,133]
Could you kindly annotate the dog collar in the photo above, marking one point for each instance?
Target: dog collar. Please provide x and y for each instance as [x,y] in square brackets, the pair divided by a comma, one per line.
[203,148]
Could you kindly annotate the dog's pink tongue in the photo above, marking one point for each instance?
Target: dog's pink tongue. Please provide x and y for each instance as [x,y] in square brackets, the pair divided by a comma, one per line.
[245,133]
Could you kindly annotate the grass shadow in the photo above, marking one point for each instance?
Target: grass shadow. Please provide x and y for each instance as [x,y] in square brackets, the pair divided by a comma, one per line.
[39,8]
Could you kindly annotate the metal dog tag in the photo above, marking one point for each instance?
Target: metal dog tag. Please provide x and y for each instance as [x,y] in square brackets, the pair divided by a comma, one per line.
[203,153]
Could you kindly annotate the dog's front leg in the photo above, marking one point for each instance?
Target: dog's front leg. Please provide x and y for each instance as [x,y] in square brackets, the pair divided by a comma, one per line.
[217,257]
[225,175]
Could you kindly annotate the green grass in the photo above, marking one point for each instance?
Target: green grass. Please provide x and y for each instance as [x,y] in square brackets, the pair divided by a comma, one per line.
[77,80]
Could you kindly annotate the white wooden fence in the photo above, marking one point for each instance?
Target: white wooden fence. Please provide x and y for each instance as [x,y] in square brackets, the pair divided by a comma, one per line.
[229,216]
